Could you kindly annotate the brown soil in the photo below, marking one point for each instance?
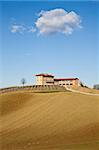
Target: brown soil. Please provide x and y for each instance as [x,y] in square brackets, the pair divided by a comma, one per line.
[49,121]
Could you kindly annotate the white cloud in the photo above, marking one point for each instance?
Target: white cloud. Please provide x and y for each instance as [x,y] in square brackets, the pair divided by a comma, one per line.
[15,28]
[57,20]
[18,28]
[31,29]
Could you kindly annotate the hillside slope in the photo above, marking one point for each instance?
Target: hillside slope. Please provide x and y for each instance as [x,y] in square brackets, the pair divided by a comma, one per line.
[49,121]
[86,90]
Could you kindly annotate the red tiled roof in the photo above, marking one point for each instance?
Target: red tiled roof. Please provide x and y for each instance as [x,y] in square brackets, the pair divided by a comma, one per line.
[45,75]
[62,79]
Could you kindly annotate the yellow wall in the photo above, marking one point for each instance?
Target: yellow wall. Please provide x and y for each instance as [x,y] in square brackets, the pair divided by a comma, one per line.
[41,80]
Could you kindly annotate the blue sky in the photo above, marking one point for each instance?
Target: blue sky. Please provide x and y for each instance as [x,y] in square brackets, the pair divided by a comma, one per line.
[29,46]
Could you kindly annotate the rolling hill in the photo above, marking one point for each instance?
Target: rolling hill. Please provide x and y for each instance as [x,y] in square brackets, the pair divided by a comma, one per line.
[49,121]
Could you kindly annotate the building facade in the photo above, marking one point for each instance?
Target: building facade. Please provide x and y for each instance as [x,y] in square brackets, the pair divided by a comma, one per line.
[96,86]
[47,79]
[44,79]
[67,82]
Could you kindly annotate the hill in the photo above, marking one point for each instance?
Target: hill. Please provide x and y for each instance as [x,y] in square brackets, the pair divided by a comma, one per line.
[49,121]
[86,90]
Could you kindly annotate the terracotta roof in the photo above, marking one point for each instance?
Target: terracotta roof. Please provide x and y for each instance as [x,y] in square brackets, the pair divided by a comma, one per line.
[62,79]
[45,75]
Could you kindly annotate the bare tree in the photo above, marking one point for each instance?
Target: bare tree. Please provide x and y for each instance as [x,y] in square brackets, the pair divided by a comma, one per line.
[23,81]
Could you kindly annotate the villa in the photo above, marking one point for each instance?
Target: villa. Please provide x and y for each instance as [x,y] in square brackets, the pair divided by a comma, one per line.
[48,79]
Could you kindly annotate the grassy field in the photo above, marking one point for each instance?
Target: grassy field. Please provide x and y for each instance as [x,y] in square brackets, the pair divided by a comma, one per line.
[49,121]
